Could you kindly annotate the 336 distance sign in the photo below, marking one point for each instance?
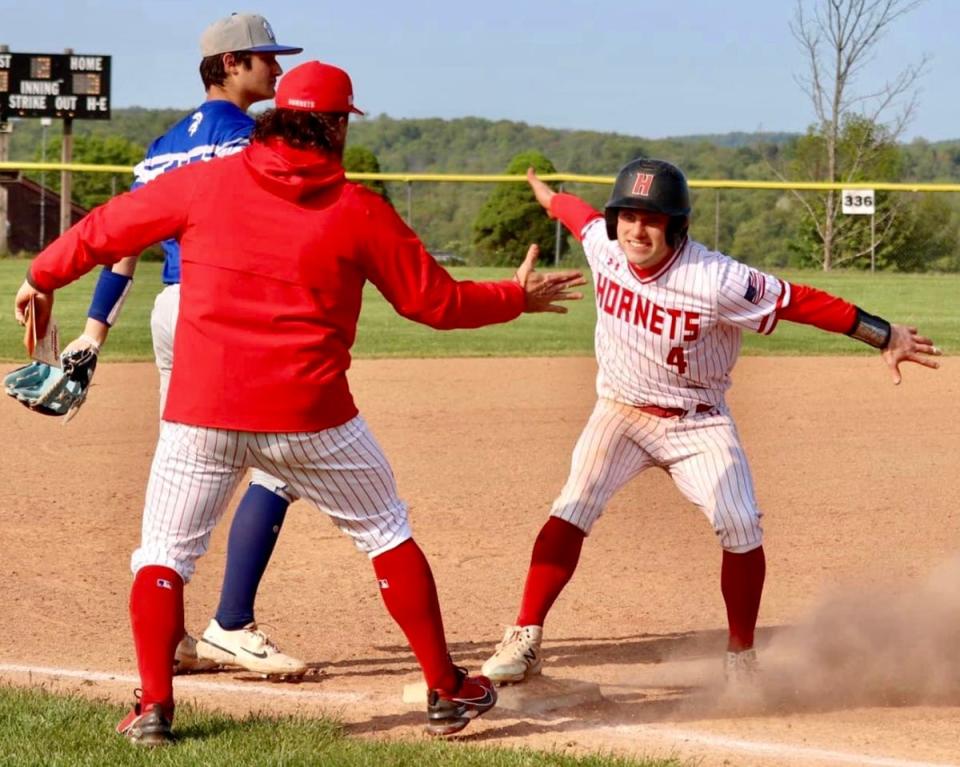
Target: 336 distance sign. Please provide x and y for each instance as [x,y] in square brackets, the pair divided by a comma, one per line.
[858,202]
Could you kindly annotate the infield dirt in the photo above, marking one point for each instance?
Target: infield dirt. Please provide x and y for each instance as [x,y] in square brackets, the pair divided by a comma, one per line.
[860,624]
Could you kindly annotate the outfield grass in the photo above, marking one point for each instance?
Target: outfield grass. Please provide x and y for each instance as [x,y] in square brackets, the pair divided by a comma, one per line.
[39,728]
[925,300]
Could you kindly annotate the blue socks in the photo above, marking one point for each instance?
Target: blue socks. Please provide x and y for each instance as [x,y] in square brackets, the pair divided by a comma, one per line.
[253,534]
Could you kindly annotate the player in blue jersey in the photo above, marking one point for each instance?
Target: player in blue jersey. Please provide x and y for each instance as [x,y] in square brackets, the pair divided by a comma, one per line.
[239,68]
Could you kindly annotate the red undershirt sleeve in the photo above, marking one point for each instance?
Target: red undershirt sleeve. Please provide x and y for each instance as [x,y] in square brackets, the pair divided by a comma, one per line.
[573,213]
[811,306]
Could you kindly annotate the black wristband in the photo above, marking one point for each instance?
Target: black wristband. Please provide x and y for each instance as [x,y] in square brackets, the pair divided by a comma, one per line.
[872,330]
[31,283]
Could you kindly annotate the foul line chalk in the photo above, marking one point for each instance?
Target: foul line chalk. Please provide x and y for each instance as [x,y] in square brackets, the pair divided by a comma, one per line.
[761,748]
[185,683]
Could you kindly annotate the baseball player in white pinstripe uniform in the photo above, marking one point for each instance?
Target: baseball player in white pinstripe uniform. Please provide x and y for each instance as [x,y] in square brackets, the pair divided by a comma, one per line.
[670,314]
[276,247]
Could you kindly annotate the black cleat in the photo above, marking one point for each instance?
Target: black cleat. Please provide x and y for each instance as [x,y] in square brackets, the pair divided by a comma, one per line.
[150,728]
[448,713]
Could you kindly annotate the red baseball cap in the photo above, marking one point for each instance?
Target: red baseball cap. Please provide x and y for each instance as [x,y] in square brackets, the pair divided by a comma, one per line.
[316,87]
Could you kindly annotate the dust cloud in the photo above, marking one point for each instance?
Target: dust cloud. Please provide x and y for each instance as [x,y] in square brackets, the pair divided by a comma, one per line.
[883,644]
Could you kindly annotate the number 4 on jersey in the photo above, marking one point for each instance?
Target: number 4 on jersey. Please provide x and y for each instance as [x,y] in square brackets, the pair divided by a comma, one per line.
[677,358]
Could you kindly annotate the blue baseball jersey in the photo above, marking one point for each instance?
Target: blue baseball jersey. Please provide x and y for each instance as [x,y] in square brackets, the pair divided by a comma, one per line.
[214,129]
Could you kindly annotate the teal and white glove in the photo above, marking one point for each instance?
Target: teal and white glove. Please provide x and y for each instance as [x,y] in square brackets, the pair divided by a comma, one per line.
[54,391]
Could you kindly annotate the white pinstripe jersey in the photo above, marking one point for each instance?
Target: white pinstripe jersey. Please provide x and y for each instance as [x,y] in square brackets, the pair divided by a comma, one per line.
[672,337]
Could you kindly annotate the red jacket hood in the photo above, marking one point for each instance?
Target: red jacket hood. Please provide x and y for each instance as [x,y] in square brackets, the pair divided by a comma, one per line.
[293,174]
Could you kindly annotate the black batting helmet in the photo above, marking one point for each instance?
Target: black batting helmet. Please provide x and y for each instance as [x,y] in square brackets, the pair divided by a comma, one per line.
[653,185]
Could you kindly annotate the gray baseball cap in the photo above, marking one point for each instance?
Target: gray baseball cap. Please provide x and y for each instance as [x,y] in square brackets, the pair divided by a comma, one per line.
[242,32]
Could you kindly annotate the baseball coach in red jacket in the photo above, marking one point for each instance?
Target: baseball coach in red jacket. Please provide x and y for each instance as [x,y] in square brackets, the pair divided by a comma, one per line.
[276,246]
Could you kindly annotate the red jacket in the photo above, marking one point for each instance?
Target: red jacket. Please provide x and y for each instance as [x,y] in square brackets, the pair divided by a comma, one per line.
[276,247]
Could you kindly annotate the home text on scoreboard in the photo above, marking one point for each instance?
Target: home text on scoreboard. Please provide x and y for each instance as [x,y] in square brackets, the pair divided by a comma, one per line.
[62,85]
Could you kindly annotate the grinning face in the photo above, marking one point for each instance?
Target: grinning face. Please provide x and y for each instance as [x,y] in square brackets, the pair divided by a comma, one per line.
[643,236]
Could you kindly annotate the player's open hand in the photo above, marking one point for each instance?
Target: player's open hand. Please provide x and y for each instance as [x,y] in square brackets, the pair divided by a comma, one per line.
[30,300]
[541,191]
[907,346]
[543,290]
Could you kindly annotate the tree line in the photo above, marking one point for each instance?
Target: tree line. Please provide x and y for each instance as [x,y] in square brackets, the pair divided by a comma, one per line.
[487,224]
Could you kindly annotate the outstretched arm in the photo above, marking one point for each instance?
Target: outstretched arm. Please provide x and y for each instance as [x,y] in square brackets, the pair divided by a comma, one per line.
[906,345]
[107,235]
[897,343]
[396,261]
[542,291]
[572,212]
[541,191]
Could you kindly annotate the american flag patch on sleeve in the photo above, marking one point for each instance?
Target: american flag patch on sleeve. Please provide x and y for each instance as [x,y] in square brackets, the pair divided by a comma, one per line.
[756,287]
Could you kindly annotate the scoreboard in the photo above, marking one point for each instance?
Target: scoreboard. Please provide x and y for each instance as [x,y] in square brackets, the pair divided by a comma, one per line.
[63,85]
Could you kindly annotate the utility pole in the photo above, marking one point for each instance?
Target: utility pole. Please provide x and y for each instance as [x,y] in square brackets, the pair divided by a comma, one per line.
[558,235]
[45,122]
[66,177]
[716,221]
[5,130]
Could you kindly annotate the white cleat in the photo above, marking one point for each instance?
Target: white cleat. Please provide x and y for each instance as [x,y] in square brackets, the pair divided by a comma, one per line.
[186,660]
[741,671]
[248,648]
[741,667]
[517,657]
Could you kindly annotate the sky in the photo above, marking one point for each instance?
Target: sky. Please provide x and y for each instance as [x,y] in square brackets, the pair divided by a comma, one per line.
[643,68]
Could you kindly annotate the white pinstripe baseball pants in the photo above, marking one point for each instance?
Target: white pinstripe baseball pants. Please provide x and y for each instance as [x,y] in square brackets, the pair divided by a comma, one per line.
[702,453]
[342,471]
[163,326]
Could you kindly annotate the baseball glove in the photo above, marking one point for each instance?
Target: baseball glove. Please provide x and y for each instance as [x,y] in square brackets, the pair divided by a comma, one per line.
[54,391]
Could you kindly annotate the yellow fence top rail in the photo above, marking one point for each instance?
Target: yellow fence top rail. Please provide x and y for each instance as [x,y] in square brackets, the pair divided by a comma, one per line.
[568,178]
